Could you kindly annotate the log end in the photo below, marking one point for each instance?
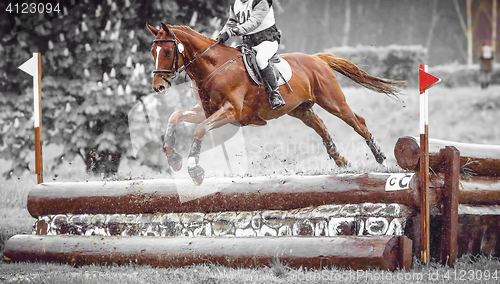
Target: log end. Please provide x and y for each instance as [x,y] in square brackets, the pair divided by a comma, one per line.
[407,153]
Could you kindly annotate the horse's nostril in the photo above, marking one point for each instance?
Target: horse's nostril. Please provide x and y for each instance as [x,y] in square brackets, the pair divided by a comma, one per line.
[161,89]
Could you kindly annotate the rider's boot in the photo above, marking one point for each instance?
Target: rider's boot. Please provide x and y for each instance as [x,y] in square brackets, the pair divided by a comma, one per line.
[275,99]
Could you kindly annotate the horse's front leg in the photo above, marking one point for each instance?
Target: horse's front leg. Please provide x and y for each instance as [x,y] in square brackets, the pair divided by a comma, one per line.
[221,117]
[193,115]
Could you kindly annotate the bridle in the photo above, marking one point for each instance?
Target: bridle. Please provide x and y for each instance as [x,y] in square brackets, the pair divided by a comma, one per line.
[178,49]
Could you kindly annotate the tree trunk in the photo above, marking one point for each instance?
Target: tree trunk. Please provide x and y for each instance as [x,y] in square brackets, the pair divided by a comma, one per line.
[347,24]
[434,21]
[469,32]
[494,29]
[464,28]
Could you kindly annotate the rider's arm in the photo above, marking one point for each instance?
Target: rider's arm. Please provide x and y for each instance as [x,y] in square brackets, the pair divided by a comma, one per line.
[231,21]
[258,14]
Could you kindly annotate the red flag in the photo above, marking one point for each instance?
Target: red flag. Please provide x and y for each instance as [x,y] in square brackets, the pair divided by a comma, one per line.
[426,80]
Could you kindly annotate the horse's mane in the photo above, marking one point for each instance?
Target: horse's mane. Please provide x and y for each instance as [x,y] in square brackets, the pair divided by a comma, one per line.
[192,32]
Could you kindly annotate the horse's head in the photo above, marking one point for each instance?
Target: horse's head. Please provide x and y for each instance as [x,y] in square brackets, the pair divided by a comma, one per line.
[167,53]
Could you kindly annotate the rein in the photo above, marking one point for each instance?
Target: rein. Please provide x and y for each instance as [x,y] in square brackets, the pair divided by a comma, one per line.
[175,63]
[218,70]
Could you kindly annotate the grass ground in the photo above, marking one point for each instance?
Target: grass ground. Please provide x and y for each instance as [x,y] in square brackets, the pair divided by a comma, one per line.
[480,270]
[14,217]
[284,147]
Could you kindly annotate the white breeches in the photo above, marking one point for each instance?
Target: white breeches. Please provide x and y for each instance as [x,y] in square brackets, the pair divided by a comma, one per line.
[265,50]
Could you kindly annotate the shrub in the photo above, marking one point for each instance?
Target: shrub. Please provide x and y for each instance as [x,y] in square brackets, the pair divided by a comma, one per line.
[459,75]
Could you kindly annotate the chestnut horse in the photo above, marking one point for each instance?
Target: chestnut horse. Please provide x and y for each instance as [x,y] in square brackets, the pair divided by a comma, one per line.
[227,94]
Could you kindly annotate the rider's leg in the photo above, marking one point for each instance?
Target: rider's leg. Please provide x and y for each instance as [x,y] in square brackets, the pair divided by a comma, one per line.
[265,51]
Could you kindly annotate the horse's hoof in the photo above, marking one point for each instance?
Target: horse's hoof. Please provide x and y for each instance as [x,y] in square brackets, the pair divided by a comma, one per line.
[197,173]
[341,161]
[380,159]
[175,161]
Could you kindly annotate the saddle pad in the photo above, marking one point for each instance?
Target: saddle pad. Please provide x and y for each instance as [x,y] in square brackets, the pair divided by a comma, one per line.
[283,67]
[285,70]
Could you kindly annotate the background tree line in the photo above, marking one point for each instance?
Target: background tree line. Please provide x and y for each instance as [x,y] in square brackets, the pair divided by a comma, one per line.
[439,26]
[96,65]
[97,61]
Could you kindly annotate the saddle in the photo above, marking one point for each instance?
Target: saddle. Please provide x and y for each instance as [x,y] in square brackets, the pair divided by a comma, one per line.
[280,66]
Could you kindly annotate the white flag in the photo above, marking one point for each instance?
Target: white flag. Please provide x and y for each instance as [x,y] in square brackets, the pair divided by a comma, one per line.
[31,67]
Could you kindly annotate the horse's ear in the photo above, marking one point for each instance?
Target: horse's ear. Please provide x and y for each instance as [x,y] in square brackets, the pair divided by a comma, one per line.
[152,29]
[165,27]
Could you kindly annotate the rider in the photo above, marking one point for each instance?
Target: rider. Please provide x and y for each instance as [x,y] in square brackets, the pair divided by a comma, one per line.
[254,20]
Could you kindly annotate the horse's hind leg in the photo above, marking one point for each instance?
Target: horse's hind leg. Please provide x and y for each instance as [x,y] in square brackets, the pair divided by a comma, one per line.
[305,113]
[375,148]
[339,107]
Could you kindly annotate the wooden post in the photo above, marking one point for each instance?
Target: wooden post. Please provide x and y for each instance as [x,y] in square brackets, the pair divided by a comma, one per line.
[449,230]
[424,206]
[494,29]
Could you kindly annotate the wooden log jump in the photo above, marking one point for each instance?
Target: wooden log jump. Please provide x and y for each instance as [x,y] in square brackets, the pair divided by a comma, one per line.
[383,252]
[245,194]
[239,194]
[226,198]
[475,191]
[156,197]
[483,160]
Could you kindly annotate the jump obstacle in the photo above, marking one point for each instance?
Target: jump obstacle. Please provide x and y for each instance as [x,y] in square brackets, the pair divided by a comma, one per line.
[349,220]
[313,222]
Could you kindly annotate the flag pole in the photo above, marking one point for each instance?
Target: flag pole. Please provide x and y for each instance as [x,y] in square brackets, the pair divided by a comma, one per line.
[426,81]
[38,141]
[34,67]
[424,175]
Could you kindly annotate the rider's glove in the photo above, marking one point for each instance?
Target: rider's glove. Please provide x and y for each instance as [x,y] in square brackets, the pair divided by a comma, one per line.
[224,36]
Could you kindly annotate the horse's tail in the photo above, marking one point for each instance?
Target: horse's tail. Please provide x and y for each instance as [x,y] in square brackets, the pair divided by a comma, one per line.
[353,72]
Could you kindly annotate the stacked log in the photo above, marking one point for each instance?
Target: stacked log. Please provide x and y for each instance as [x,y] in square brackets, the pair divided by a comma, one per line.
[472,225]
[477,159]
[382,252]
[248,194]
[312,222]
[230,194]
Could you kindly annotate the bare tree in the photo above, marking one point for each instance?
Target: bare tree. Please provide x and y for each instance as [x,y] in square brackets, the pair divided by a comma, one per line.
[435,14]
[347,24]
[469,32]
[494,27]
[466,28]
